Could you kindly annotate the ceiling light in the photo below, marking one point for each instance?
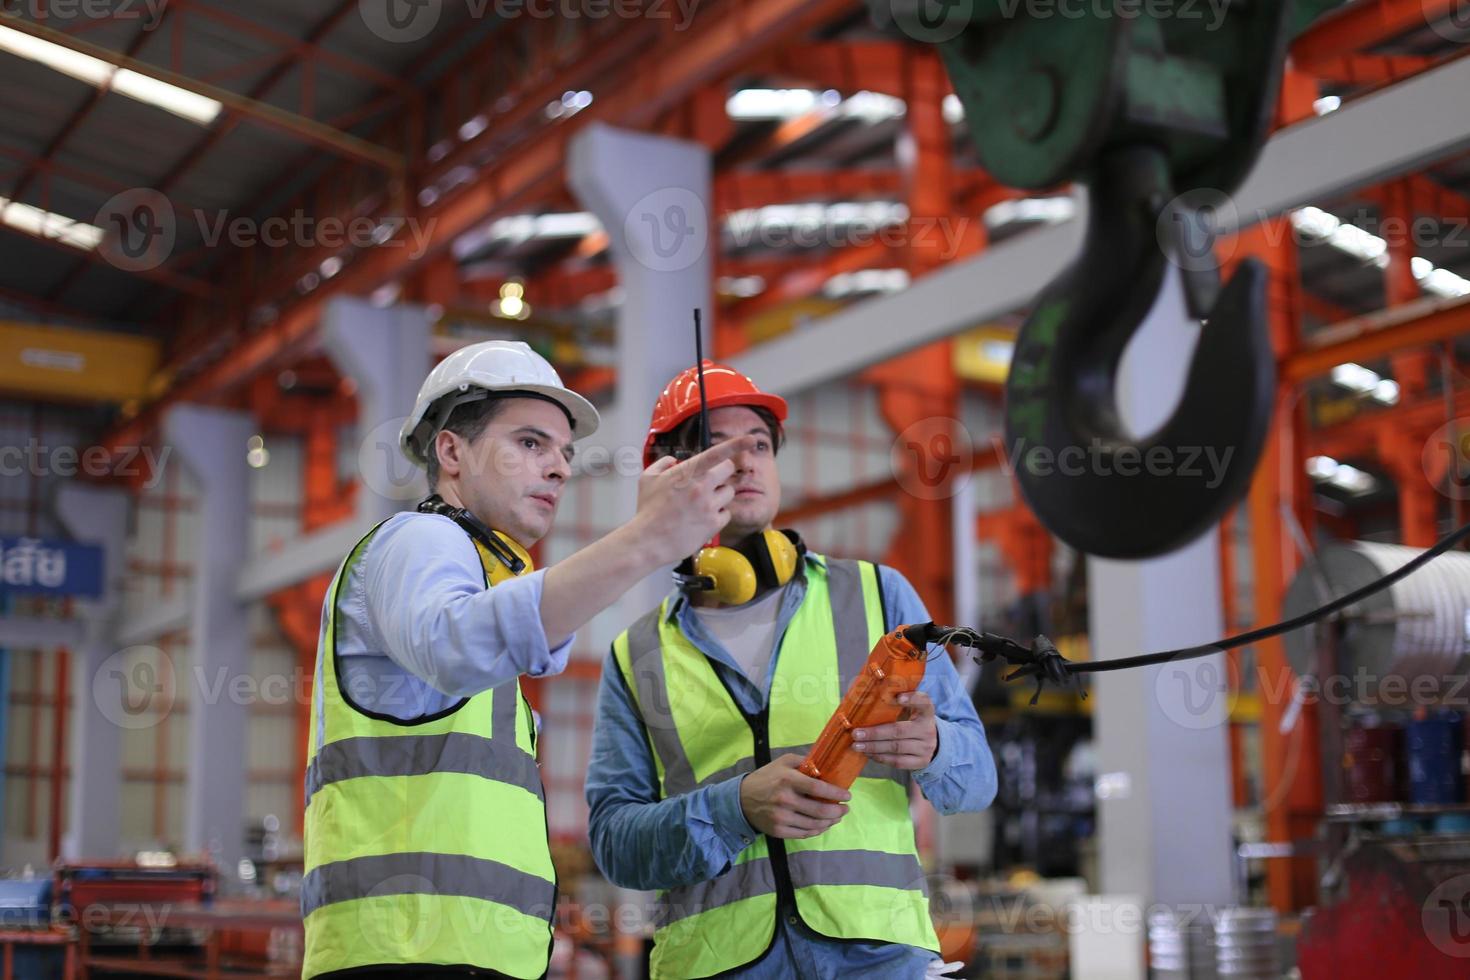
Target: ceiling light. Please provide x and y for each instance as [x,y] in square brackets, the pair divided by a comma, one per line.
[1355,377]
[1321,467]
[1387,391]
[752,104]
[48,224]
[473,128]
[94,71]
[1353,480]
[1051,210]
[740,286]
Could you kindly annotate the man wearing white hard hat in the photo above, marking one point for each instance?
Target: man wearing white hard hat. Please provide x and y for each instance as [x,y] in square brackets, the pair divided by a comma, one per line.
[426,843]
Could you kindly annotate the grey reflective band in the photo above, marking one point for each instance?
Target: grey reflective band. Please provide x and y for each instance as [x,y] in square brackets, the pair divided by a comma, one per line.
[809,869]
[646,658]
[745,880]
[505,701]
[849,618]
[423,873]
[856,867]
[500,760]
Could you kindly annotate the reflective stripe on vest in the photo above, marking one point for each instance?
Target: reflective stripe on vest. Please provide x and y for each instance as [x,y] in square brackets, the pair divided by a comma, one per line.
[425,840]
[859,880]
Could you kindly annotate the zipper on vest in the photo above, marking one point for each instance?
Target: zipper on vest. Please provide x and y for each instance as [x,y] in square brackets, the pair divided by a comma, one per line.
[760,730]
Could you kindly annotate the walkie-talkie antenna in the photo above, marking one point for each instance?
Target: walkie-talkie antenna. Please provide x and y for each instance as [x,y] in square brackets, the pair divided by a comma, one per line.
[699,368]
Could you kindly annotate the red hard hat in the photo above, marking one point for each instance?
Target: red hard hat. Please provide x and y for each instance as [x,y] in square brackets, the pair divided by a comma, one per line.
[723,386]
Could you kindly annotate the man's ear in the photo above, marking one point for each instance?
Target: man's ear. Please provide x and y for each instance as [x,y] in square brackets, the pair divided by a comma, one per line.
[449,446]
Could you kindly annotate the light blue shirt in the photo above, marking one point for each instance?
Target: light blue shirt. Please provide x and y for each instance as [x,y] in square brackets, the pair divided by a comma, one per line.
[417,630]
[641,841]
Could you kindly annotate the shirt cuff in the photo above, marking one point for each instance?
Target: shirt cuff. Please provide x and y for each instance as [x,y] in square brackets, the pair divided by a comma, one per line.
[943,757]
[734,831]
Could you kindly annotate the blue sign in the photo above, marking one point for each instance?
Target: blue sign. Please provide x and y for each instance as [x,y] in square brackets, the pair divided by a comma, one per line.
[50,567]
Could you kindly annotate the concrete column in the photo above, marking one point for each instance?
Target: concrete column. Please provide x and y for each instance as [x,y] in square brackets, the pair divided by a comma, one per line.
[652,195]
[95,515]
[212,443]
[1163,750]
[385,351]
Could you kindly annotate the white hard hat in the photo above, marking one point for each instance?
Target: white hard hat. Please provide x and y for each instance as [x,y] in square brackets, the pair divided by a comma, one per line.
[495,365]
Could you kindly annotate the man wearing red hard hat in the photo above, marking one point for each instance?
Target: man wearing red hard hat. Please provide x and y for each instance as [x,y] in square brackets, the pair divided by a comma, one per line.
[708,704]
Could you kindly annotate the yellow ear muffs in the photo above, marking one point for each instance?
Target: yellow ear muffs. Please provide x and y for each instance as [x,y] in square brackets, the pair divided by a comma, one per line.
[762,561]
[783,554]
[731,572]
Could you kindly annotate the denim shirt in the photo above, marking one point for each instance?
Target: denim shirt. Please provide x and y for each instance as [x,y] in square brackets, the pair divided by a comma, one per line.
[642,842]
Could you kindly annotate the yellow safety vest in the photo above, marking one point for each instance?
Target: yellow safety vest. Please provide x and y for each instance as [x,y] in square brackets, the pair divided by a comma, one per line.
[426,841]
[859,880]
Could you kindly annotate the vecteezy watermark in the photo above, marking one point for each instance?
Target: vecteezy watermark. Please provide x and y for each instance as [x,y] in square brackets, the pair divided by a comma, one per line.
[1446,459]
[37,459]
[150,12]
[407,21]
[932,458]
[1211,13]
[931,21]
[1452,24]
[304,231]
[1445,916]
[135,688]
[1098,458]
[667,229]
[813,226]
[141,230]
[1197,230]
[1196,694]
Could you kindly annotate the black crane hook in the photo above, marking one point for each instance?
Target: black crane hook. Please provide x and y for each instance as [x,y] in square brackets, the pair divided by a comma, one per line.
[1094,484]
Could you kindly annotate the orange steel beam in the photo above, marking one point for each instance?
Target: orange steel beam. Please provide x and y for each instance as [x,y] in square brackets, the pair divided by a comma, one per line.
[1292,790]
[922,385]
[1025,544]
[676,64]
[301,127]
[1410,367]
[1428,197]
[806,280]
[1378,335]
[1369,69]
[1361,26]
[1360,437]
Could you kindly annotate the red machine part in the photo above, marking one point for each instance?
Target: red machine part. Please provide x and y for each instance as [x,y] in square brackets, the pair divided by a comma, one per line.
[1404,911]
[895,667]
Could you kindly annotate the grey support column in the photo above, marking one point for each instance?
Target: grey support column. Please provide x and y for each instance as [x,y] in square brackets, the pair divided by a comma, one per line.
[1163,751]
[385,351]
[212,443]
[652,195]
[95,515]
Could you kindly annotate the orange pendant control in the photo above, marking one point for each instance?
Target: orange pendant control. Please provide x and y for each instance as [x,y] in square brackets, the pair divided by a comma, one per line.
[896,666]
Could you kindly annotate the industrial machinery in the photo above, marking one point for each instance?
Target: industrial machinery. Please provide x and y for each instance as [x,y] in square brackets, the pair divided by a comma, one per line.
[1388,675]
[1161,115]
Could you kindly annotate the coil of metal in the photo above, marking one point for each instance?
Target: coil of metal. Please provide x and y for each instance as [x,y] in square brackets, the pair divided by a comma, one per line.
[1417,630]
[1180,945]
[1246,947]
